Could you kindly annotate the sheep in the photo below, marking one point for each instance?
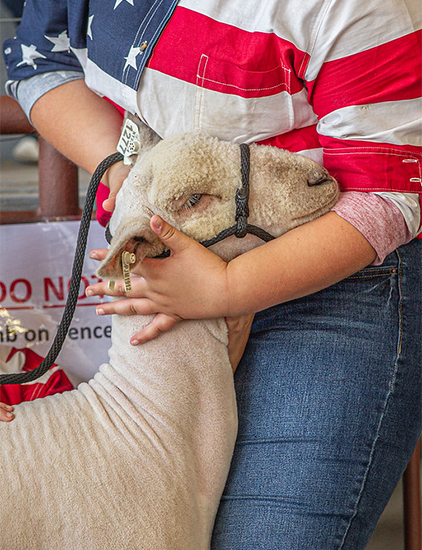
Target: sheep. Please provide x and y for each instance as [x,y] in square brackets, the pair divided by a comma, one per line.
[137,458]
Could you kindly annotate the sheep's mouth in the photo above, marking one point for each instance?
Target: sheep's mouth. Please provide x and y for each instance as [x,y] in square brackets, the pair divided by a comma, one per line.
[328,204]
[320,181]
[137,242]
[145,246]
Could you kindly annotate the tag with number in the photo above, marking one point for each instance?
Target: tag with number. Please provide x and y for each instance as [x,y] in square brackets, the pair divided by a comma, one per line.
[127,259]
[129,141]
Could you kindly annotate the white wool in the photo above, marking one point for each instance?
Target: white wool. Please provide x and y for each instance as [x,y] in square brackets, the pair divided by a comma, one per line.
[138,457]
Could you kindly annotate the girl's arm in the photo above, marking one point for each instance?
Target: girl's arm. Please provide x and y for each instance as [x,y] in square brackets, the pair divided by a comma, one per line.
[82,126]
[195,283]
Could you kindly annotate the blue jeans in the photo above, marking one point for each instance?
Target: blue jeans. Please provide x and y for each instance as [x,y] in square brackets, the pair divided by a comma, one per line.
[329,397]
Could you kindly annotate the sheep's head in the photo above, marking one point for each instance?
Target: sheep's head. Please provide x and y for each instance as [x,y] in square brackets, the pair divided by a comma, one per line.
[191,181]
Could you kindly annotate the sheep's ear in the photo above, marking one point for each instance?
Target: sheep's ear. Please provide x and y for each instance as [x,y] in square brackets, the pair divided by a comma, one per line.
[146,136]
[134,237]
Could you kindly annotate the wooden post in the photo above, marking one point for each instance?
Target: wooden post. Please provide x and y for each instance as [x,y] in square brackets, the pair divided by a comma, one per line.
[57,176]
[412,502]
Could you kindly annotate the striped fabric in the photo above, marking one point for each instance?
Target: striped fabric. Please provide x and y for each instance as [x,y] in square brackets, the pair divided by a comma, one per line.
[22,360]
[333,83]
[337,81]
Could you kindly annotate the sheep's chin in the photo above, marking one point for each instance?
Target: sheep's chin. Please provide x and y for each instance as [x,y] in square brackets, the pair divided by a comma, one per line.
[331,201]
[231,247]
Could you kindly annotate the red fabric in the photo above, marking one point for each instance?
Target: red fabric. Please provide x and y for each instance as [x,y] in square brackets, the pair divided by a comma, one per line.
[102,194]
[389,72]
[58,382]
[299,139]
[102,215]
[363,166]
[262,65]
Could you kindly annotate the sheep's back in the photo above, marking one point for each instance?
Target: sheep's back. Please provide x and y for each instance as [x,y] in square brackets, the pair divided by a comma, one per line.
[99,467]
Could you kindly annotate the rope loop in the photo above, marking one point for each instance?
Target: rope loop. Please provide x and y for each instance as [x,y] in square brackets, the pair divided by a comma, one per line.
[72,299]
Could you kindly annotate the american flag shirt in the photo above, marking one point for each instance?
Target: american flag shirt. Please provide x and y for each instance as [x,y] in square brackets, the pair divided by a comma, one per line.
[337,80]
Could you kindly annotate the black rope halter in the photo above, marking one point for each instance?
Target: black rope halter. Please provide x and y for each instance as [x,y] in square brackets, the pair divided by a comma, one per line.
[241,228]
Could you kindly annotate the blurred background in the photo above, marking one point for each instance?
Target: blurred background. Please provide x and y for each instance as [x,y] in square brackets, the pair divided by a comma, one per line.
[19,154]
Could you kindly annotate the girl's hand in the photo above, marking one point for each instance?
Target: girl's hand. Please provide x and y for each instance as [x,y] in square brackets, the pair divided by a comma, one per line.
[113,179]
[6,414]
[134,304]
[190,284]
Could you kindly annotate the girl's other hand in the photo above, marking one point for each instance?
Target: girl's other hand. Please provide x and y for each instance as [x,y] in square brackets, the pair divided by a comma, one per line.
[113,179]
[6,414]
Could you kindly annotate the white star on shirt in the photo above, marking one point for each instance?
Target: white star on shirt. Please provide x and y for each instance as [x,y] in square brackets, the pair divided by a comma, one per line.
[89,30]
[29,54]
[131,58]
[61,42]
[120,1]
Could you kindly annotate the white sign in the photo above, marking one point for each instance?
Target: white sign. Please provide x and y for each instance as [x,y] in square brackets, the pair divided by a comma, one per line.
[35,269]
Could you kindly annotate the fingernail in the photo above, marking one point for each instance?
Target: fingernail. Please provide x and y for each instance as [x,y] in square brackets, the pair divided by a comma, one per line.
[9,415]
[134,342]
[93,255]
[157,222]
[89,292]
[99,311]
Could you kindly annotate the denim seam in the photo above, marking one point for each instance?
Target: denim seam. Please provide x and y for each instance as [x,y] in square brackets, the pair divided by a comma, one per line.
[386,273]
[399,270]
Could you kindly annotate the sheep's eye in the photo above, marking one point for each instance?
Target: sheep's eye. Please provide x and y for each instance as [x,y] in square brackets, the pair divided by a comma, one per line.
[192,201]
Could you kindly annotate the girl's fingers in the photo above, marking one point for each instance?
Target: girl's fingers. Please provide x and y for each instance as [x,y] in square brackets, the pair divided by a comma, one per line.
[130,306]
[109,203]
[113,179]
[98,254]
[6,414]
[103,289]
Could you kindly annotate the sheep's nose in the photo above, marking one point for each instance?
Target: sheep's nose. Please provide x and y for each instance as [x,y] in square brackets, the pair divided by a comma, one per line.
[318,178]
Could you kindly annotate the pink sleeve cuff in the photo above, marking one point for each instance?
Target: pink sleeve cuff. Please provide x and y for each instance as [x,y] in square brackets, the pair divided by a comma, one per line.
[379,220]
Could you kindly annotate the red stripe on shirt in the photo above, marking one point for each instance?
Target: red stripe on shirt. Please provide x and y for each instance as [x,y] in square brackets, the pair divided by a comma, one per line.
[300,139]
[219,57]
[334,143]
[363,166]
[389,72]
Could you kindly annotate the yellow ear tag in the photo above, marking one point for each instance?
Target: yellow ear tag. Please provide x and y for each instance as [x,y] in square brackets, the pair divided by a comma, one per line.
[127,259]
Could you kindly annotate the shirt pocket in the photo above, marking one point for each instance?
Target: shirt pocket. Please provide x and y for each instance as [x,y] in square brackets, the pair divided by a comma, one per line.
[235,103]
